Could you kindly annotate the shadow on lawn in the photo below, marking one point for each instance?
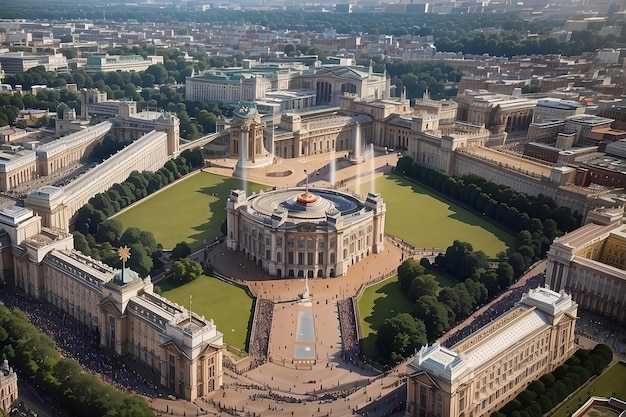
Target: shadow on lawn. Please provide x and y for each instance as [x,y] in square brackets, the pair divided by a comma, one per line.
[391,302]
[216,212]
[459,213]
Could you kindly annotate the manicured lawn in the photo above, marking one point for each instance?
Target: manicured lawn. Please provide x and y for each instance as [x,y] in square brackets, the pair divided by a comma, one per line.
[443,280]
[426,220]
[610,383]
[229,306]
[191,210]
[379,302]
[385,300]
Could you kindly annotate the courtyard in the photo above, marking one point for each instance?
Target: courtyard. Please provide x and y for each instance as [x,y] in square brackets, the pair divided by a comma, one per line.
[195,209]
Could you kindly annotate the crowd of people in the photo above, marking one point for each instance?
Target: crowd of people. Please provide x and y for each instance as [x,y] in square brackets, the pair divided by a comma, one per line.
[347,325]
[74,340]
[260,340]
[495,310]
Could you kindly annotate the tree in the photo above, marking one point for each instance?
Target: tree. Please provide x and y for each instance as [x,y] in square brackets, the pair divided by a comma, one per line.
[110,230]
[181,250]
[289,49]
[139,260]
[424,285]
[404,164]
[399,336]
[186,269]
[407,271]
[505,274]
[158,72]
[207,121]
[433,314]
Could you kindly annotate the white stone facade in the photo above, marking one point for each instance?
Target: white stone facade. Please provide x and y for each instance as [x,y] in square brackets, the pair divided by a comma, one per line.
[305,233]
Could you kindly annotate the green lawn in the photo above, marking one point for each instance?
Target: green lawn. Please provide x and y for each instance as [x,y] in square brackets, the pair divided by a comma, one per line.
[191,210]
[231,309]
[426,220]
[379,302]
[610,383]
[385,300]
[443,280]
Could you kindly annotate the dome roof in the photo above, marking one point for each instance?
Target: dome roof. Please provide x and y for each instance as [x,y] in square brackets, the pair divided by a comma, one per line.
[303,205]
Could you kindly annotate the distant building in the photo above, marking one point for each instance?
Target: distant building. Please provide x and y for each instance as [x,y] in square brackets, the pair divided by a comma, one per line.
[486,370]
[14,62]
[16,167]
[343,8]
[583,124]
[497,112]
[329,84]
[106,63]
[556,109]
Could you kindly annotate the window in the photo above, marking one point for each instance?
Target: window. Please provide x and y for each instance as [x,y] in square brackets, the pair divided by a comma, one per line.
[422,396]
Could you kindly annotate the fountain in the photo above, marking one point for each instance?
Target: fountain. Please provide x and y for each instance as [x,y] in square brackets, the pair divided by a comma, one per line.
[356,156]
[332,166]
[242,164]
[372,167]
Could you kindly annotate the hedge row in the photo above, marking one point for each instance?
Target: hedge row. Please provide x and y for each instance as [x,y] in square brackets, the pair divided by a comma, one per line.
[550,390]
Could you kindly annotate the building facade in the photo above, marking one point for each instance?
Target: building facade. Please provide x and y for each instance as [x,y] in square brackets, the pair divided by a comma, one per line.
[589,263]
[182,349]
[106,63]
[8,387]
[297,232]
[328,84]
[484,371]
[497,112]
[57,205]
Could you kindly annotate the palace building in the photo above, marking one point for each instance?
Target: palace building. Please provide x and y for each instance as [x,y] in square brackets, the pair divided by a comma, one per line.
[589,263]
[300,232]
[486,370]
[183,350]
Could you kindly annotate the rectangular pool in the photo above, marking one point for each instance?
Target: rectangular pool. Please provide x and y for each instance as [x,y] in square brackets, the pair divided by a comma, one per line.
[305,332]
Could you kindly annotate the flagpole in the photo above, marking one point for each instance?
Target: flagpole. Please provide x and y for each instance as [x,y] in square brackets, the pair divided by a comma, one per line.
[190,308]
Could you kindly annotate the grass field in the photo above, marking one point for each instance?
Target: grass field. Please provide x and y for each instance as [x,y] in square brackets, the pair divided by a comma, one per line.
[426,220]
[190,210]
[610,383]
[382,301]
[231,309]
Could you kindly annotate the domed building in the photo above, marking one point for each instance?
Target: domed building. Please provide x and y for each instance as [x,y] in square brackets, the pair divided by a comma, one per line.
[301,232]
